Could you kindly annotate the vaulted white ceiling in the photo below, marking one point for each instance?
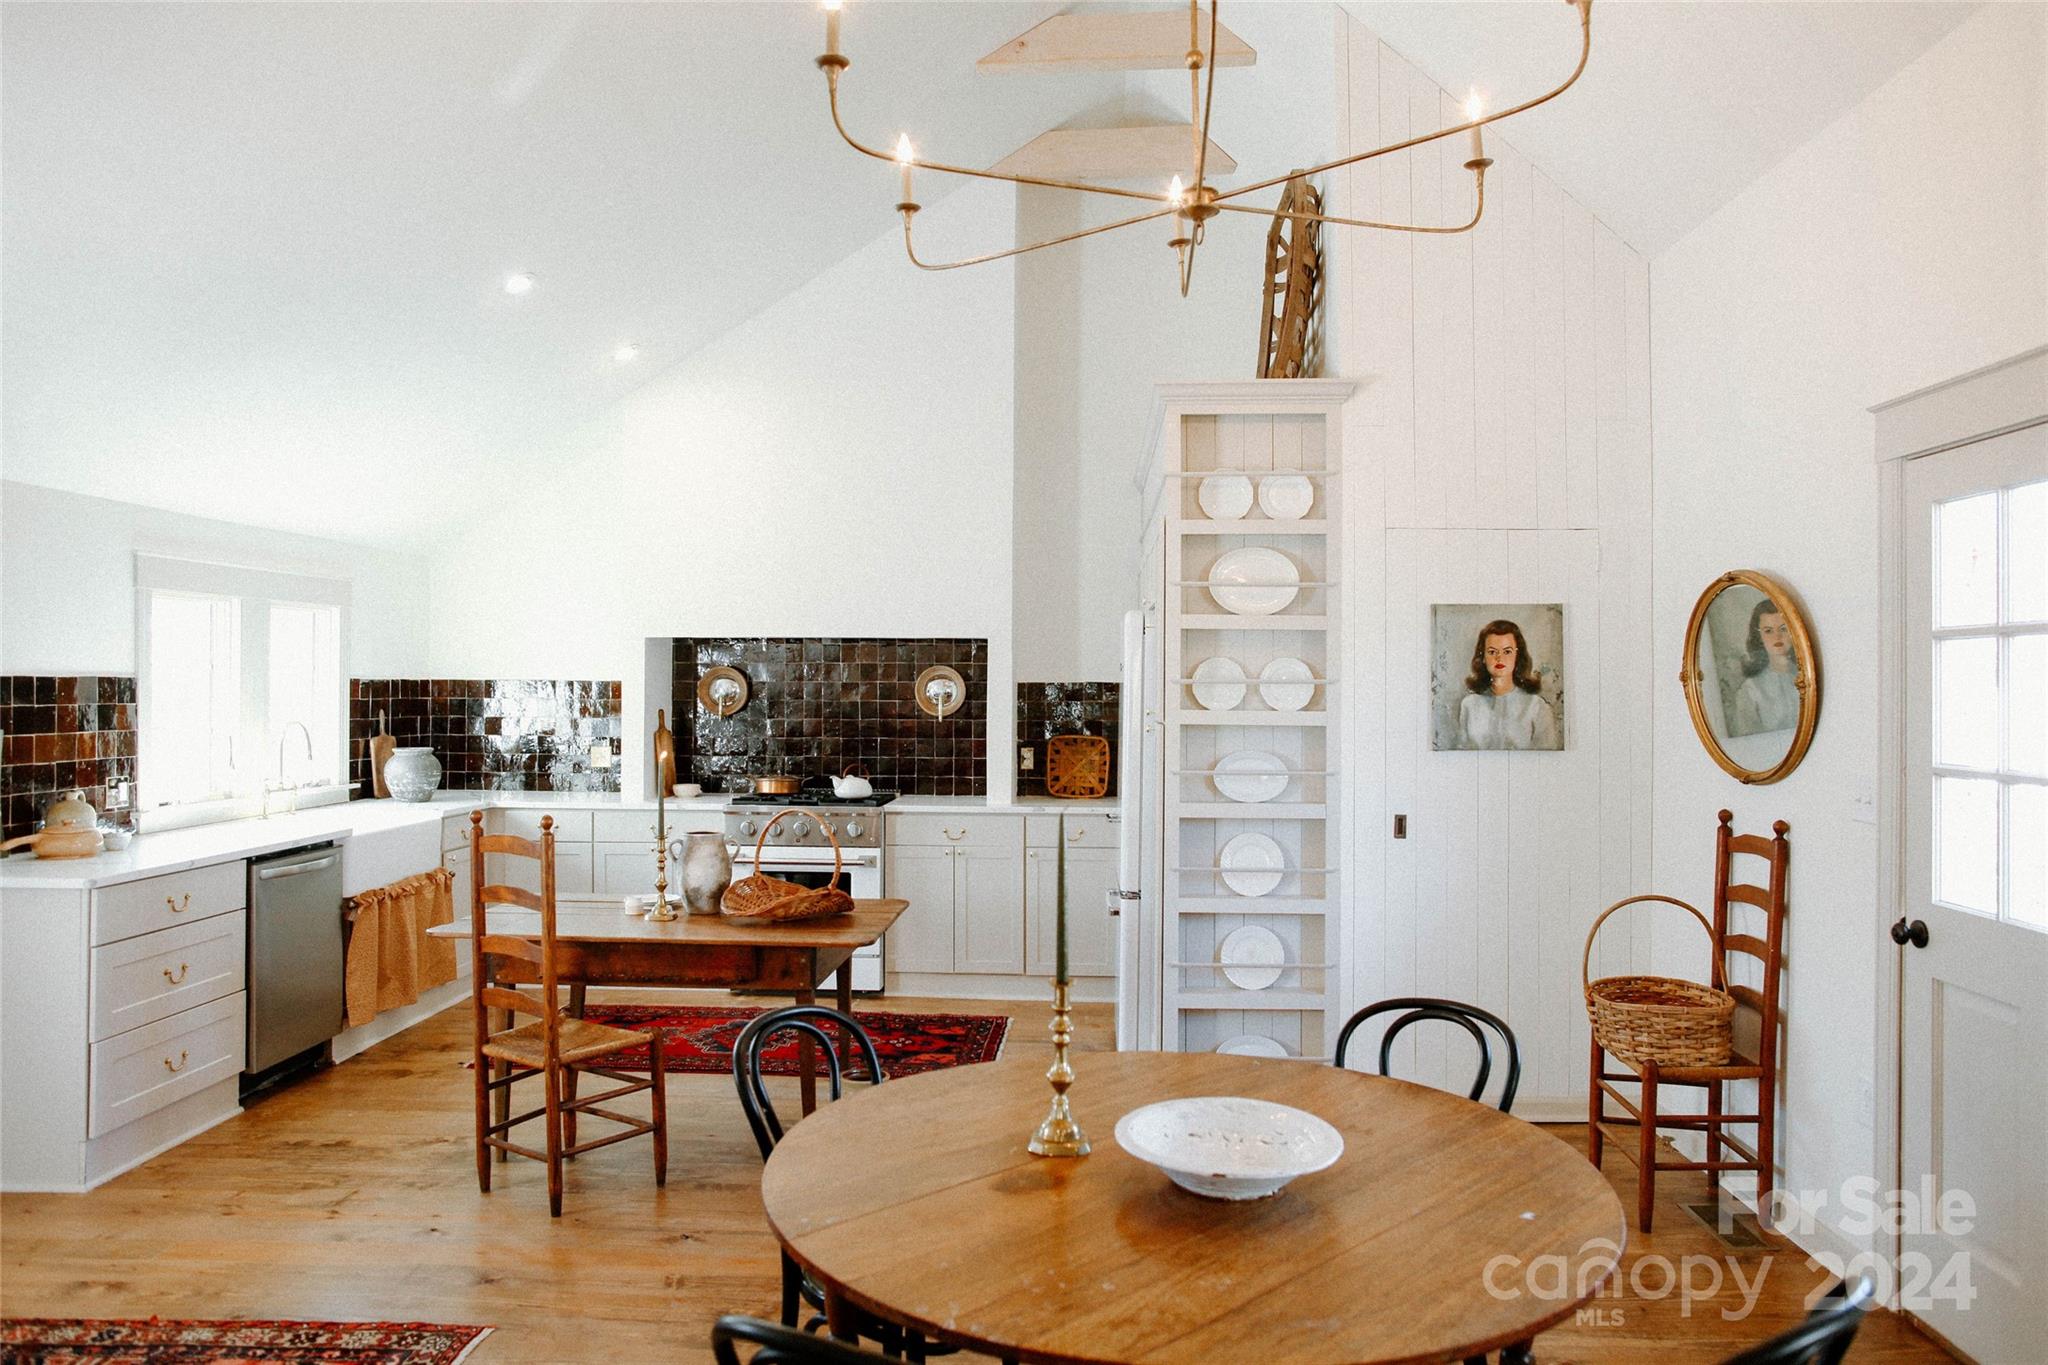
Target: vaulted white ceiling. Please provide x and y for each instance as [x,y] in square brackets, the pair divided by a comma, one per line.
[1684,103]
[252,254]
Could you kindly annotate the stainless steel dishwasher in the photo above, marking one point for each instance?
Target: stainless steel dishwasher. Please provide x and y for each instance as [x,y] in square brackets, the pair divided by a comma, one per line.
[295,953]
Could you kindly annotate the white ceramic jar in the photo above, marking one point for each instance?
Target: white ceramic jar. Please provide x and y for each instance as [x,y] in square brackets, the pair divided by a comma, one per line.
[412,774]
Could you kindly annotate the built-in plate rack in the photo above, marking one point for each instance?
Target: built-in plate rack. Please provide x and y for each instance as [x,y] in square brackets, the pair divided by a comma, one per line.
[1271,430]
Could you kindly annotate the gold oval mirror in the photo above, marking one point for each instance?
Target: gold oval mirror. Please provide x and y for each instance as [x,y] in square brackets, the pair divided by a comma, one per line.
[1752,676]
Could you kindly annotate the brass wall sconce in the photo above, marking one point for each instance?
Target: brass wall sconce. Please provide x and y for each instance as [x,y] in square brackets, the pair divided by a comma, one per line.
[722,691]
[940,691]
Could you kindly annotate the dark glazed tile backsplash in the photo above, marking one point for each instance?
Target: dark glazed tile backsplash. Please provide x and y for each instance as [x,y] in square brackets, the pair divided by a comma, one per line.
[491,734]
[1048,709]
[816,705]
[63,733]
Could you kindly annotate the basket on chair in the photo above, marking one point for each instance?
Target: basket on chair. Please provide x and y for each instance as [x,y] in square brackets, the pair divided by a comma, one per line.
[1659,1019]
[771,898]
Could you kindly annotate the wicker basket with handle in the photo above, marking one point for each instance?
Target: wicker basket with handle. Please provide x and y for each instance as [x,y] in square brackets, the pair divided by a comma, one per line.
[763,897]
[1658,1019]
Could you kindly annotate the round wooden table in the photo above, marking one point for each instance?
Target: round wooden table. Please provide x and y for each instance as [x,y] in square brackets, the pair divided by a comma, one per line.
[916,1201]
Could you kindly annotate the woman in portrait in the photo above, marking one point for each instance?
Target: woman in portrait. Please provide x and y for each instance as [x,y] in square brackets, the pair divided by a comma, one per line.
[1504,708]
[1769,696]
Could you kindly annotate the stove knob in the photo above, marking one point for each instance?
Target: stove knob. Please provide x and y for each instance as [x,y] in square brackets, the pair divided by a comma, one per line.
[853,829]
[747,827]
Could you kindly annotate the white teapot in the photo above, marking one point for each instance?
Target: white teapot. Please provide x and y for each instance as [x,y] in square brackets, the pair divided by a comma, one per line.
[854,784]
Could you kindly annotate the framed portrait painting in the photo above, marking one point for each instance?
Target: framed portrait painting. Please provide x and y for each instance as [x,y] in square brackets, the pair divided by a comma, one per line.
[1497,676]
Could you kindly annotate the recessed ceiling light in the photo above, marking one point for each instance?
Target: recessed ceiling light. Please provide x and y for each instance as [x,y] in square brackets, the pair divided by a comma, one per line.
[519,283]
[626,354]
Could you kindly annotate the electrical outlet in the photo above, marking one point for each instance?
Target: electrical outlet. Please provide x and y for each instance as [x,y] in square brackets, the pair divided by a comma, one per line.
[601,755]
[1027,758]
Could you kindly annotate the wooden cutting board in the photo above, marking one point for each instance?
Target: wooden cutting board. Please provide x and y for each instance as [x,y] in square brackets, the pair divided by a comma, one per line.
[1077,766]
[381,745]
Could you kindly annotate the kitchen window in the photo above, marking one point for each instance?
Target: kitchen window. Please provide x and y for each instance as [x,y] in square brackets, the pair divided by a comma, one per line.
[242,690]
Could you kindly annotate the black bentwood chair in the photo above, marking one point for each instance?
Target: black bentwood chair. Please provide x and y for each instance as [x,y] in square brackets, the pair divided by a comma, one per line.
[811,1021]
[1467,1017]
[779,1345]
[1823,1339]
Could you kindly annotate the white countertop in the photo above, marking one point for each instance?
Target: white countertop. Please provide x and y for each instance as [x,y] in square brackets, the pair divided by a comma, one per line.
[151,855]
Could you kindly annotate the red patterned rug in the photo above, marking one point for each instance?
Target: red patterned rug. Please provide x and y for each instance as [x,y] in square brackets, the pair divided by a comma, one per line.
[699,1038]
[169,1341]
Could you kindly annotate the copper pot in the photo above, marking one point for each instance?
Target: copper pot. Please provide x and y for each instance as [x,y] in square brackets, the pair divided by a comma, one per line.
[775,786]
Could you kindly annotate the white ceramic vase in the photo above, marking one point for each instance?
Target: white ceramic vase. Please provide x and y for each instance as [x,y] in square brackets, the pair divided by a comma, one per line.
[412,774]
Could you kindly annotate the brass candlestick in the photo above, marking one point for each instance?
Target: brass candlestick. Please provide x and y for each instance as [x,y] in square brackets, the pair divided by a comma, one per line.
[664,772]
[1059,1135]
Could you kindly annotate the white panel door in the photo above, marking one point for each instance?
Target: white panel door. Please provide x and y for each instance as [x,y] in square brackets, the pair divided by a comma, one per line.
[921,940]
[1974,987]
[988,908]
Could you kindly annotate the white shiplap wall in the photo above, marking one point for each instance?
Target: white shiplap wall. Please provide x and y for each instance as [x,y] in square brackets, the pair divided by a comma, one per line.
[1498,450]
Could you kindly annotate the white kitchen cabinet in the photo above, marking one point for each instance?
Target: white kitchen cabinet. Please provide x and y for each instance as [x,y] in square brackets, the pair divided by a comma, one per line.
[1091,932]
[988,907]
[628,870]
[964,878]
[572,870]
[921,940]
[457,862]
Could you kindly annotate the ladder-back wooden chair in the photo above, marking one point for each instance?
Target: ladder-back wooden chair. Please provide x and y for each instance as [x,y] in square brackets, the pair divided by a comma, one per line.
[555,1046]
[1738,956]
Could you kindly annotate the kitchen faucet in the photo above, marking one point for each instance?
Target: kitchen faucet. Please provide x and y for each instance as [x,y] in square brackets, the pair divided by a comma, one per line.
[281,785]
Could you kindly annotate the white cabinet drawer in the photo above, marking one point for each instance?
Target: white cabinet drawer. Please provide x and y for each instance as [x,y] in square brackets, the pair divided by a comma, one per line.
[153,976]
[1091,831]
[625,826]
[455,832]
[1041,831]
[571,826]
[572,870]
[144,1069]
[154,903]
[994,832]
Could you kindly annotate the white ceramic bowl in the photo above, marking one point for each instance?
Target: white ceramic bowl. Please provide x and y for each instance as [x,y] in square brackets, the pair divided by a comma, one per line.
[687,789]
[1223,1147]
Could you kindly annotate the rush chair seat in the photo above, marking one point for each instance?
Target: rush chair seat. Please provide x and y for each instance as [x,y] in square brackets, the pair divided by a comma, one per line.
[555,1046]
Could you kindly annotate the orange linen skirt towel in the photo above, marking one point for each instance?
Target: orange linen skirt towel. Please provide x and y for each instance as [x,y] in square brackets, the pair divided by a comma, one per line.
[390,958]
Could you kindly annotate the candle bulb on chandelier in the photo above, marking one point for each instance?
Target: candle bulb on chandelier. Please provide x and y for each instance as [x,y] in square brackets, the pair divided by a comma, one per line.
[1474,107]
[832,27]
[905,158]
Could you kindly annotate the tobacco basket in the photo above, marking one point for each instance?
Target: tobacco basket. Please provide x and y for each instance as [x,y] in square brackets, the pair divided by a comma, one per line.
[763,897]
[1660,1019]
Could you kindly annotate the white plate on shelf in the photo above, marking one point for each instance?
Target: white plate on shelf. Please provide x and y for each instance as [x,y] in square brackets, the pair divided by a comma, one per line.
[1252,957]
[1250,775]
[1219,684]
[1287,684]
[1252,864]
[1256,580]
[1286,497]
[1227,1147]
[1253,1045]
[1224,497]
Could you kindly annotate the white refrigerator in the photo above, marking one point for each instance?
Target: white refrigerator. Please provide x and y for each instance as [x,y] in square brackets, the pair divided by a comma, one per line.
[1136,898]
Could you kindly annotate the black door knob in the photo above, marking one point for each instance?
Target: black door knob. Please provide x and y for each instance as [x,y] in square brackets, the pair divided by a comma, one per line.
[1914,933]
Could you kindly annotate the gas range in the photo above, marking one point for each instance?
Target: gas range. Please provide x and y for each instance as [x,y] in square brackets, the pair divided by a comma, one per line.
[856,821]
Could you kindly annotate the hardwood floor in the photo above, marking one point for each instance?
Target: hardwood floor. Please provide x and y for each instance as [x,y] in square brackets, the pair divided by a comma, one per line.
[353,1196]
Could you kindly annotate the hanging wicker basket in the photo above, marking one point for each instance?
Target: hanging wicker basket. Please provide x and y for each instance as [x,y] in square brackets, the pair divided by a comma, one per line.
[1659,1019]
[761,897]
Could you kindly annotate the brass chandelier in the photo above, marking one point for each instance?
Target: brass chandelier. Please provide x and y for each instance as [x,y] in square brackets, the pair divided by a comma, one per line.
[1191,208]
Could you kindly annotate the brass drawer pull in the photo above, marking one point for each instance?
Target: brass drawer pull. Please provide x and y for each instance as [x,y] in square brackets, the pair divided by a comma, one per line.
[183,967]
[175,1067]
[175,907]
[1075,835]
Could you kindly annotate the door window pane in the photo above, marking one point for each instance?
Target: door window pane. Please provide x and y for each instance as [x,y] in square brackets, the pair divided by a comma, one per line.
[1966,561]
[1966,686]
[1966,842]
[2027,868]
[2027,540]
[2026,729]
